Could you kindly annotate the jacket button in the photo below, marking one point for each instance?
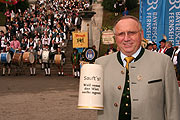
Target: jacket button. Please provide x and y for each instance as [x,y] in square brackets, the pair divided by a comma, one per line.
[119,87]
[115,104]
[122,72]
[139,77]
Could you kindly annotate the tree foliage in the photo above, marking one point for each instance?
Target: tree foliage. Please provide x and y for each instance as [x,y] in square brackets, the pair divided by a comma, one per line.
[109,4]
[20,5]
[23,5]
[3,7]
[130,4]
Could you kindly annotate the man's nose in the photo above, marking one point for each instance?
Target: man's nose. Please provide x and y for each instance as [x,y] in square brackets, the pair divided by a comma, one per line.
[126,36]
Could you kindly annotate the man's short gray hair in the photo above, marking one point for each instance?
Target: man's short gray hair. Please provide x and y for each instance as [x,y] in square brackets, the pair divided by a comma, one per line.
[128,17]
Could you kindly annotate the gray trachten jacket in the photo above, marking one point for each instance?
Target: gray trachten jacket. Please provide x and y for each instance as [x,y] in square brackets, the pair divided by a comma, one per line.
[153,87]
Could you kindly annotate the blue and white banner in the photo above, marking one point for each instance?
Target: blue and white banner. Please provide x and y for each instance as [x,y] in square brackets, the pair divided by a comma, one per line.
[160,17]
[172,21]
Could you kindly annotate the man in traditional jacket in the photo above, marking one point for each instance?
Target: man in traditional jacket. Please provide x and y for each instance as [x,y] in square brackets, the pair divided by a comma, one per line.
[138,84]
[170,50]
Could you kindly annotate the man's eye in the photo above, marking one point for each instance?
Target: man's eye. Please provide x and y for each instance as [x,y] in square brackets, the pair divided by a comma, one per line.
[121,34]
[131,32]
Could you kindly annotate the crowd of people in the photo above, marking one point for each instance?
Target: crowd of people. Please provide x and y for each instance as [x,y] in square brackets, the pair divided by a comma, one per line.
[167,48]
[42,29]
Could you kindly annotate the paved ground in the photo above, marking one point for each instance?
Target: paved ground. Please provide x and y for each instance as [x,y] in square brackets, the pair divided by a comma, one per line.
[41,98]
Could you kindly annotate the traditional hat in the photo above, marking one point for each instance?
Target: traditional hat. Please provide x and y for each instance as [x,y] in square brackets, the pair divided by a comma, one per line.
[149,44]
[163,40]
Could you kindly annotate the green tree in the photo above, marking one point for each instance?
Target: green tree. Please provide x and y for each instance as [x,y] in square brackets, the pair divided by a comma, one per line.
[108,5]
[130,4]
[23,5]
[3,7]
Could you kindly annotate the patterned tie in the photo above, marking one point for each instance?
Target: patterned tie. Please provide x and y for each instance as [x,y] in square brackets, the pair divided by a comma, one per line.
[128,60]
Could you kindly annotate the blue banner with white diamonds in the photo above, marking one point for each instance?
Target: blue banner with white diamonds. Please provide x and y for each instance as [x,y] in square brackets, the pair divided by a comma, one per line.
[172,21]
[151,16]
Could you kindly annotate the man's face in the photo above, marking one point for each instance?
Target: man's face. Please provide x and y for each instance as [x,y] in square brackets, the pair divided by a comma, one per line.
[150,47]
[163,44]
[8,48]
[14,38]
[2,34]
[59,50]
[128,36]
[154,47]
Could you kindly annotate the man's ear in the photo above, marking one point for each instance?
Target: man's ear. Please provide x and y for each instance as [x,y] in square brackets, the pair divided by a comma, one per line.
[142,34]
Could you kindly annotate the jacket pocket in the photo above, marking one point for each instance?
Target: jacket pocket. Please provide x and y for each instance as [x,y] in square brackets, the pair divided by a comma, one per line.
[154,81]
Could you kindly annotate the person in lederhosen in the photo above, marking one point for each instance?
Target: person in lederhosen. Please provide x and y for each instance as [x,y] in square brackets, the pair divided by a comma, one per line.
[4,44]
[65,29]
[45,41]
[31,42]
[37,38]
[75,57]
[23,45]
[26,39]
[57,40]
[19,67]
[2,39]
[31,46]
[7,65]
[62,61]
[39,48]
[32,65]
[78,21]
[62,34]
[46,62]
[53,50]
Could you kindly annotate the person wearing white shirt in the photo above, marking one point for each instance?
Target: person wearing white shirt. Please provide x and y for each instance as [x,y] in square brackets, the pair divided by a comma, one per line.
[31,43]
[57,39]
[46,40]
[163,46]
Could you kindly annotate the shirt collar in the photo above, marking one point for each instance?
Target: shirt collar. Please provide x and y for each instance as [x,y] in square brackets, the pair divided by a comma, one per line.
[134,55]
